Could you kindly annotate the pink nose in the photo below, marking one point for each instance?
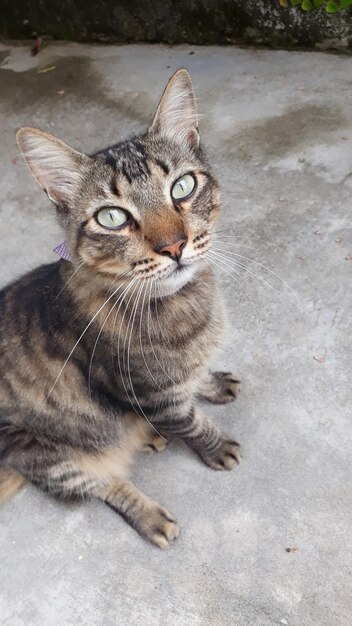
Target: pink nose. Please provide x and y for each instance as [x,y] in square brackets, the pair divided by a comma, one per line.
[173,250]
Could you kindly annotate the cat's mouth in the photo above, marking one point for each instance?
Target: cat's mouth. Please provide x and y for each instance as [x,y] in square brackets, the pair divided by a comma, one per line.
[183,264]
[179,271]
[177,279]
[174,275]
[180,274]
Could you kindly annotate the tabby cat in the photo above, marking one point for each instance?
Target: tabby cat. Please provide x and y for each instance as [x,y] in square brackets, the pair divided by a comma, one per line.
[104,354]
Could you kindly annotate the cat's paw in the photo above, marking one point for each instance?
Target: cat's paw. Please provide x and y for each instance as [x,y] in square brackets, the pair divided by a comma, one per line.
[228,387]
[226,456]
[156,444]
[221,388]
[157,525]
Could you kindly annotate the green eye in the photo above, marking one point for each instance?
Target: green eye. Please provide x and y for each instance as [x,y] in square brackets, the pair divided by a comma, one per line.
[111,217]
[183,187]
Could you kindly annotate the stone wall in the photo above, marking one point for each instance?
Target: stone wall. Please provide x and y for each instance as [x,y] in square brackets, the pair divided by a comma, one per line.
[258,22]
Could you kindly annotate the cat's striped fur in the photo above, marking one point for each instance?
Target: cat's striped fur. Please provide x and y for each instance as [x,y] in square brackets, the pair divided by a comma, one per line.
[106,355]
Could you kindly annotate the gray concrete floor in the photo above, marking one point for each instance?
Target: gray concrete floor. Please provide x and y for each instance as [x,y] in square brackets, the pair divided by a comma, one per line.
[278,129]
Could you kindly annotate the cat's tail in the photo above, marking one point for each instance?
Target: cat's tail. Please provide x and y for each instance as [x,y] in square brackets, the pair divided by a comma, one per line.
[10,482]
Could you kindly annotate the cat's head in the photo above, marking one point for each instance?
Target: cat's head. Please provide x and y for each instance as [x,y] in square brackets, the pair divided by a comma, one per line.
[143,207]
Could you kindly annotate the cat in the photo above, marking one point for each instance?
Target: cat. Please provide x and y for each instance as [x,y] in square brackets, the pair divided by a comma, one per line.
[105,354]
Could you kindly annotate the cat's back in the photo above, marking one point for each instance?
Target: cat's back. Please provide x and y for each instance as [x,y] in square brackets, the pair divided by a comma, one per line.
[27,297]
[35,283]
[27,318]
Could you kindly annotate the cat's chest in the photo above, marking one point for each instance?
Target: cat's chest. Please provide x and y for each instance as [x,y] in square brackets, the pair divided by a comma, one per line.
[172,343]
[166,342]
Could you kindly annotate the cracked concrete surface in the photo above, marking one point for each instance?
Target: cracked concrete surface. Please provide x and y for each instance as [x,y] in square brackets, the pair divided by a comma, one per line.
[277,126]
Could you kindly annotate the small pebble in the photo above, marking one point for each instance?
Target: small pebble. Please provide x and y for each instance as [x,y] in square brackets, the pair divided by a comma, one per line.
[292,549]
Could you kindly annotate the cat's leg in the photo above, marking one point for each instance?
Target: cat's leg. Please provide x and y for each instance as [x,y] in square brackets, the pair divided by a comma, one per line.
[147,517]
[142,436]
[215,448]
[50,465]
[69,472]
[219,387]
[104,475]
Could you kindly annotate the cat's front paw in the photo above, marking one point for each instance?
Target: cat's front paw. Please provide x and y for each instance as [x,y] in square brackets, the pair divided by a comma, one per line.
[226,456]
[156,444]
[158,526]
[221,388]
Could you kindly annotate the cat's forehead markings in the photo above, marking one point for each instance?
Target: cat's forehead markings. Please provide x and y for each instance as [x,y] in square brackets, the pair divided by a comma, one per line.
[131,161]
[110,158]
[113,186]
[156,174]
[164,166]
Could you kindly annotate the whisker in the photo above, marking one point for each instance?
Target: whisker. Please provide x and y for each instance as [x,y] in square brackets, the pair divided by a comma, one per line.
[141,346]
[241,256]
[129,339]
[150,341]
[129,286]
[216,262]
[225,233]
[239,245]
[78,341]
[262,279]
[99,334]
[102,327]
[156,309]
[125,340]
[69,280]
[133,313]
[157,288]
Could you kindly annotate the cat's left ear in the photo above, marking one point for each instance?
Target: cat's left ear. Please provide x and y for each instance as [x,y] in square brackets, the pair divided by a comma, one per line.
[57,167]
[176,116]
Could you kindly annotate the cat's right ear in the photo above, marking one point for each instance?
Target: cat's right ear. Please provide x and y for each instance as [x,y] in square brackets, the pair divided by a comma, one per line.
[57,167]
[176,116]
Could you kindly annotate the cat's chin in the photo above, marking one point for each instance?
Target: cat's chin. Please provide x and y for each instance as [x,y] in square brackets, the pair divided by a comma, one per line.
[177,280]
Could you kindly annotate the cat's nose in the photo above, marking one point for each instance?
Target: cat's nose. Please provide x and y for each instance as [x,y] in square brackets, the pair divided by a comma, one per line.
[173,250]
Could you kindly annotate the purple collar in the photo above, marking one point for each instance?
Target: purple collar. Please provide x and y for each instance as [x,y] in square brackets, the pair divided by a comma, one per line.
[62,251]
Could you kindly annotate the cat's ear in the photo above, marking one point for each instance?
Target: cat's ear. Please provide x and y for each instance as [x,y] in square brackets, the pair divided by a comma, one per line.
[176,116]
[57,167]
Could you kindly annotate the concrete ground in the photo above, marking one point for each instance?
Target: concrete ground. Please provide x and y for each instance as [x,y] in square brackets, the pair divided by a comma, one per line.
[278,129]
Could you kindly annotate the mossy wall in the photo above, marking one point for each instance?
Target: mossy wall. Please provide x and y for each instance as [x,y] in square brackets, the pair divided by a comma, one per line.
[262,22]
